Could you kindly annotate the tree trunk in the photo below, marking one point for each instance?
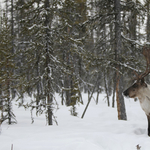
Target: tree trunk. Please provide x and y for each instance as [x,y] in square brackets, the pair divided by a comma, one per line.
[97,97]
[118,44]
[148,21]
[8,95]
[38,83]
[106,89]
[13,92]
[114,90]
[49,91]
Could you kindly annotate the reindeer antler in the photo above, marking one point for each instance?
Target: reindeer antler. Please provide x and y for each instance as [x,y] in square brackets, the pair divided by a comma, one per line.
[146,53]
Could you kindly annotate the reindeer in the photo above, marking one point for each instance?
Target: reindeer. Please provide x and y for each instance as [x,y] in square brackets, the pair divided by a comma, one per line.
[141,89]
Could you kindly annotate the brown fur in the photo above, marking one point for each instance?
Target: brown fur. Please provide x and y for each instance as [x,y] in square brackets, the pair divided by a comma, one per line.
[141,90]
[133,91]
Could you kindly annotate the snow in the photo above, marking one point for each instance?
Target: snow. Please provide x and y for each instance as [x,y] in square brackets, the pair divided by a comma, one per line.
[98,130]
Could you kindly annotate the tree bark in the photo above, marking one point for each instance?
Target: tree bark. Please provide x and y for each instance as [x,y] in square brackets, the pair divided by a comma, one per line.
[106,89]
[148,22]
[119,78]
[49,92]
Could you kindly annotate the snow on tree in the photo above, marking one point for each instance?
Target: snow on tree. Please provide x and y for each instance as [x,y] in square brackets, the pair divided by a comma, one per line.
[7,76]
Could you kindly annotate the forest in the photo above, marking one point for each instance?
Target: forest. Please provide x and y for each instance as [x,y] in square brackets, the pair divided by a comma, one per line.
[69,47]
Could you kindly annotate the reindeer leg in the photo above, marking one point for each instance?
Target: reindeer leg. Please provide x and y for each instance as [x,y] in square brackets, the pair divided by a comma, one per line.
[148,118]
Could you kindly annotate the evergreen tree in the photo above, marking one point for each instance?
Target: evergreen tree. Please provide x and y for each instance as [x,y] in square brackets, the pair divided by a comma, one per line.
[7,75]
[39,53]
[67,47]
[118,47]
[71,49]
[114,40]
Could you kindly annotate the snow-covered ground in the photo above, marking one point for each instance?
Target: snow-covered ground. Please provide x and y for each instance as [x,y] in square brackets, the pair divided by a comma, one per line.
[99,130]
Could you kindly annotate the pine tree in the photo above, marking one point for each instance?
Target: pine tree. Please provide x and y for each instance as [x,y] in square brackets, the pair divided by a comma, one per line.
[40,58]
[7,75]
[118,45]
[71,48]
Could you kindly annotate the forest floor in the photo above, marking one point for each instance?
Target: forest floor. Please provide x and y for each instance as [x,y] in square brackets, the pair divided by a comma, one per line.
[98,130]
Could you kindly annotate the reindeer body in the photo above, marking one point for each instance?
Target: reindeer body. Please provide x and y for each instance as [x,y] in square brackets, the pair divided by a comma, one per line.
[144,98]
[141,90]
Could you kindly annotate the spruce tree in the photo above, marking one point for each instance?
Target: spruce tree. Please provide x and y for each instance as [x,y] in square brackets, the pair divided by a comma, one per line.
[71,49]
[7,76]
[40,59]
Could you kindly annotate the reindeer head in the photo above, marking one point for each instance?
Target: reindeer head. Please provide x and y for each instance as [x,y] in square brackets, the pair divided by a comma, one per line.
[134,90]
[139,84]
